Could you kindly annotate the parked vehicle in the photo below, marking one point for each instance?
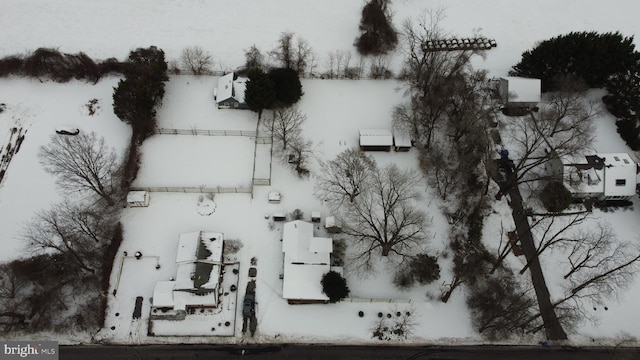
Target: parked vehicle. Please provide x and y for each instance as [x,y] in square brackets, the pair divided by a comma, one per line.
[249,305]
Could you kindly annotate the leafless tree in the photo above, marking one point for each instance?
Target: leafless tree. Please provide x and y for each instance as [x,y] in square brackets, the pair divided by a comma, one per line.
[83,163]
[14,290]
[302,150]
[77,232]
[292,54]
[253,58]
[344,177]
[552,231]
[561,129]
[384,218]
[379,68]
[285,125]
[196,60]
[432,76]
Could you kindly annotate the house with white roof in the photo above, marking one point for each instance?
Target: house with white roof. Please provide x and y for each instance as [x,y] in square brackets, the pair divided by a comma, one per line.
[198,274]
[230,92]
[519,92]
[376,140]
[306,260]
[603,176]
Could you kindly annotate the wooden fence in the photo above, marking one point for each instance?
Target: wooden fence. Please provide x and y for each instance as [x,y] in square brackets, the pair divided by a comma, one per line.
[202,132]
[196,190]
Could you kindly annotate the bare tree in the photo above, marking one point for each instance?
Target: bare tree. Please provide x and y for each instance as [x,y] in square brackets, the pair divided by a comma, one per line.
[432,76]
[78,233]
[14,289]
[286,124]
[253,58]
[344,177]
[302,150]
[283,53]
[553,231]
[561,129]
[196,60]
[384,218]
[83,163]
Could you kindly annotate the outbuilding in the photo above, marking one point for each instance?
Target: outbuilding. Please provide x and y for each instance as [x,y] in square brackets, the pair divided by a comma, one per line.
[519,92]
[376,140]
[138,199]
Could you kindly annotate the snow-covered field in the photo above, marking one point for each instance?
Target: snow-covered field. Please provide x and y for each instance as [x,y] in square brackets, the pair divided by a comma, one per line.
[335,111]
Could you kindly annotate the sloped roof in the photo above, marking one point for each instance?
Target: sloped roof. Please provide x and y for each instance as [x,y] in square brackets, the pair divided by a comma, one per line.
[306,260]
[523,89]
[376,137]
[225,87]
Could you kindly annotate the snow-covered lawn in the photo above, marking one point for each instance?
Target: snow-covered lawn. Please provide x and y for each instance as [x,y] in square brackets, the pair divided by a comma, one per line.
[38,108]
[193,161]
[335,110]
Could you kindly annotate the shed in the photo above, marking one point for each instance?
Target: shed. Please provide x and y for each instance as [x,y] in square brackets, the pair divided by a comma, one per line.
[274,197]
[316,216]
[138,198]
[401,140]
[376,140]
[279,216]
[519,92]
[332,225]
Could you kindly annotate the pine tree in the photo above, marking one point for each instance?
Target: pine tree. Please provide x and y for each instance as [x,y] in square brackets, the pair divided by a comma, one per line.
[334,286]
[260,92]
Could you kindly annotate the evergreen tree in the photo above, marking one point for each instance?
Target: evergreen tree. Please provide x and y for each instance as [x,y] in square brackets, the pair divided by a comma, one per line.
[378,35]
[588,55]
[260,92]
[287,86]
[334,286]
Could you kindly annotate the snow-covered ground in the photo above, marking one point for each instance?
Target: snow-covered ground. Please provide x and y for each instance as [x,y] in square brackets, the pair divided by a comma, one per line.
[335,111]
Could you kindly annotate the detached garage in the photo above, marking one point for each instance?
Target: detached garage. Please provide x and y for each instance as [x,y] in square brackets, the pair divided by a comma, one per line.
[376,140]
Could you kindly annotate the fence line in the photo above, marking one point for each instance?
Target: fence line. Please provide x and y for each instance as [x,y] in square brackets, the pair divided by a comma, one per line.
[367,300]
[164,131]
[263,182]
[198,189]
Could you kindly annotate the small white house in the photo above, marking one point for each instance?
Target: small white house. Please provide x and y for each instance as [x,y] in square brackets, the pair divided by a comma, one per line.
[274,197]
[230,92]
[138,198]
[519,92]
[306,260]
[376,140]
[603,176]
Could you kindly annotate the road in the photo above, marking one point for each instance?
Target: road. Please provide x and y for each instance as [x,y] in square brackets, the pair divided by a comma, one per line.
[322,352]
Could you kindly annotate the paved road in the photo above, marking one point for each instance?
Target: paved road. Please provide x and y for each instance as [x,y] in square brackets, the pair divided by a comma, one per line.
[276,352]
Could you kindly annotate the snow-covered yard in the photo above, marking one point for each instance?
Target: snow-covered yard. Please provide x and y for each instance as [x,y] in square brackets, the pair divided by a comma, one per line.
[336,110]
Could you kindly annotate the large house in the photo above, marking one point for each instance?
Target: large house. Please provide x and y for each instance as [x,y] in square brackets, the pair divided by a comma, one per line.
[519,92]
[306,260]
[197,281]
[230,92]
[600,176]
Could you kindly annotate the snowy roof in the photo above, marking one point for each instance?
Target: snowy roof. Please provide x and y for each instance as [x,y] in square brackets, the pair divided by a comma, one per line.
[199,245]
[376,137]
[401,138]
[163,294]
[620,174]
[274,195]
[182,299]
[225,87]
[302,281]
[136,196]
[306,259]
[523,89]
[229,88]
[330,221]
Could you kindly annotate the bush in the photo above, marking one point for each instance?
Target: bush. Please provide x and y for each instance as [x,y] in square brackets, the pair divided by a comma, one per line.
[334,286]
[11,65]
[425,269]
[555,197]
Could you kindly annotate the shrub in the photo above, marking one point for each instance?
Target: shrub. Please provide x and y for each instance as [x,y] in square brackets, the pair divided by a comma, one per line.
[425,269]
[555,197]
[334,286]
[11,65]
